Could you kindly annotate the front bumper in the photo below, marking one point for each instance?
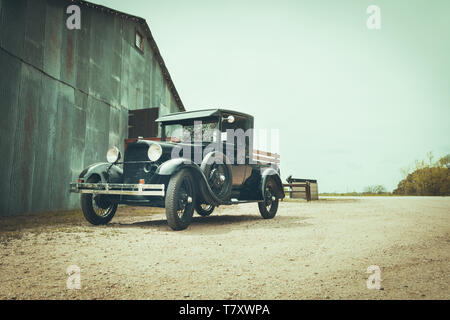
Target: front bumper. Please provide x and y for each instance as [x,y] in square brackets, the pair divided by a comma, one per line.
[119,188]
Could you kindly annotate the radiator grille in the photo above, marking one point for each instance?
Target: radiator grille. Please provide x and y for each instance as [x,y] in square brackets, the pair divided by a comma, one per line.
[132,171]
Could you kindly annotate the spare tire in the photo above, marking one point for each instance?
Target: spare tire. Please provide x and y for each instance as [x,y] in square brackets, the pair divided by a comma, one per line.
[217,170]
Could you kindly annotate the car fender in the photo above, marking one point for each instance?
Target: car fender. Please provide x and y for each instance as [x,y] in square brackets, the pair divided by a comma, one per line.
[173,166]
[108,173]
[271,173]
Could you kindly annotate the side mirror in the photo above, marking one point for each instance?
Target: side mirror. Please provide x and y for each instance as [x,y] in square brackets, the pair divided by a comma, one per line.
[229,119]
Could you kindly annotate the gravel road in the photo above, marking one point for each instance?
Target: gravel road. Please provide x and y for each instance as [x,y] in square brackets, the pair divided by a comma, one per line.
[317,250]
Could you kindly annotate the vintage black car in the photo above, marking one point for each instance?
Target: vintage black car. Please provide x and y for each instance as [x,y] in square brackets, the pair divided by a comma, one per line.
[204,159]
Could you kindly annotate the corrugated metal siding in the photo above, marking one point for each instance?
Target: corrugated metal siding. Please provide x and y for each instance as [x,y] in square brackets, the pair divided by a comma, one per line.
[9,93]
[65,96]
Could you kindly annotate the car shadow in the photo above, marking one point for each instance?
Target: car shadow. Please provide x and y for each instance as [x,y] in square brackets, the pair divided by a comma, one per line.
[226,223]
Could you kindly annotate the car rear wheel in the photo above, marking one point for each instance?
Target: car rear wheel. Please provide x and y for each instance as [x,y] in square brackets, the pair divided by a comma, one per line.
[268,208]
[96,208]
[180,199]
[204,209]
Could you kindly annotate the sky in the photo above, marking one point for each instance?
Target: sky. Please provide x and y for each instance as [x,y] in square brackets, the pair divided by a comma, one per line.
[353,105]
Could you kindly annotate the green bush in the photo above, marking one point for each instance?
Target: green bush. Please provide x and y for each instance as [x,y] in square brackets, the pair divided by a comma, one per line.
[432,179]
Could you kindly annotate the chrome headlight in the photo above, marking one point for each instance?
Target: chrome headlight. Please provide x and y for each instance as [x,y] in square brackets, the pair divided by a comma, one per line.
[154,152]
[113,155]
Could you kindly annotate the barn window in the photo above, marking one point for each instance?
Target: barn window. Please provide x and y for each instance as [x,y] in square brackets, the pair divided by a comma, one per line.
[141,123]
[139,41]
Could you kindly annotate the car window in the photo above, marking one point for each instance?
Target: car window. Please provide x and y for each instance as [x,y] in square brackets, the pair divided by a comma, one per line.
[188,133]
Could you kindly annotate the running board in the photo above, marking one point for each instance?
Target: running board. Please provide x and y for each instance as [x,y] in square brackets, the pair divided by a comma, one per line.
[236,201]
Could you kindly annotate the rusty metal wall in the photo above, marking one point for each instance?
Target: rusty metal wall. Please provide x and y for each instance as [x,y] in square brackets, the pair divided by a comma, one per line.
[65,96]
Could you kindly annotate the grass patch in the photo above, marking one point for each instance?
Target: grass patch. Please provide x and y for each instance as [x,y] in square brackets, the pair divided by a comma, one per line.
[293,200]
[321,200]
[357,194]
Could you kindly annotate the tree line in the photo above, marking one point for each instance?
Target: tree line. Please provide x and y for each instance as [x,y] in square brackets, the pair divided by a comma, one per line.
[424,178]
[428,178]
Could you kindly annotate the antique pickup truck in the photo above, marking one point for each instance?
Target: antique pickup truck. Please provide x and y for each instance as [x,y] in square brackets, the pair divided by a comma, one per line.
[203,159]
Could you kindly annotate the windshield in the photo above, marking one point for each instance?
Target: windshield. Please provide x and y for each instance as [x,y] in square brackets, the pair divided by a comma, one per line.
[201,130]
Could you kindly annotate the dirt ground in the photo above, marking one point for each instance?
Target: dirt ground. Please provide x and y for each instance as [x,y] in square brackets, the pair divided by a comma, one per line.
[317,250]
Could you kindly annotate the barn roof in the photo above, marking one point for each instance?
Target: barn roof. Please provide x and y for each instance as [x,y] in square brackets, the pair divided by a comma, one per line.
[151,40]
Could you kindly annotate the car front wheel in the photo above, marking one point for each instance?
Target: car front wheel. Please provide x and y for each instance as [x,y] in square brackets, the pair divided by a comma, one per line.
[96,207]
[180,199]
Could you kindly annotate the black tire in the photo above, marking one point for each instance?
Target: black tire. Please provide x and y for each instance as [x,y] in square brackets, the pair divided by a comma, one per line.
[204,209]
[268,208]
[214,166]
[179,208]
[96,209]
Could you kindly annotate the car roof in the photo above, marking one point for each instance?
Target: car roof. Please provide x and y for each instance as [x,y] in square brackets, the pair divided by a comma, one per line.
[186,115]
